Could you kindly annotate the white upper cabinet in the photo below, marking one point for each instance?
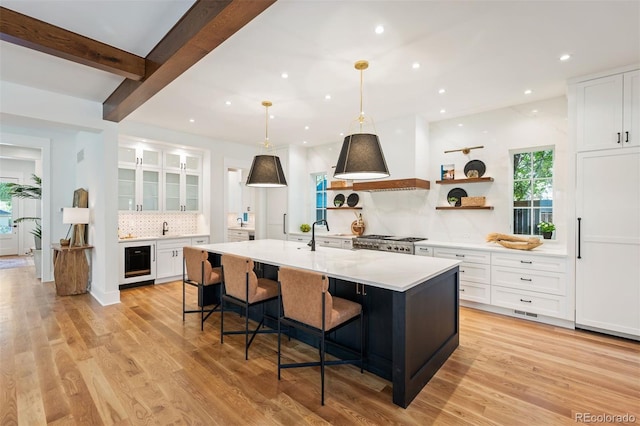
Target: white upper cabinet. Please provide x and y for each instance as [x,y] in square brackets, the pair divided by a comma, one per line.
[608,112]
[182,181]
[157,179]
[139,178]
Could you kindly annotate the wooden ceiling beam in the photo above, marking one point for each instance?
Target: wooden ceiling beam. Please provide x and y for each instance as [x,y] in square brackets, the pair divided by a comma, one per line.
[29,32]
[203,28]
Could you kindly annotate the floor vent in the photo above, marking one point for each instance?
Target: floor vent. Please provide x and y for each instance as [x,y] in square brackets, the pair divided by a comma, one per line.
[527,314]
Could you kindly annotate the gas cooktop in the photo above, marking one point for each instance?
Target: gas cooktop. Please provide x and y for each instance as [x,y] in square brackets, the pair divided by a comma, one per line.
[386,243]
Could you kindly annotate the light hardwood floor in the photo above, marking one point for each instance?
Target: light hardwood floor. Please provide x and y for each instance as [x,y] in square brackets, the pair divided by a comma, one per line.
[69,360]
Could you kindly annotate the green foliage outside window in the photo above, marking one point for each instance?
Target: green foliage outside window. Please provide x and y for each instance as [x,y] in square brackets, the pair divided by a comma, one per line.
[532,190]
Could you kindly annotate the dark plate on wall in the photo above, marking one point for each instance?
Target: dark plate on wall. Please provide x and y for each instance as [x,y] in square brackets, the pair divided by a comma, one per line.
[458,193]
[352,200]
[338,200]
[475,165]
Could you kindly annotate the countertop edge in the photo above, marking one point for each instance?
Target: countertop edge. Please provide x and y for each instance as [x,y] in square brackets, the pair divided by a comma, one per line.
[495,247]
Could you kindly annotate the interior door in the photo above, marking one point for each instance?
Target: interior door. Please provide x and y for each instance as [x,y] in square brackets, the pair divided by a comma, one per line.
[8,230]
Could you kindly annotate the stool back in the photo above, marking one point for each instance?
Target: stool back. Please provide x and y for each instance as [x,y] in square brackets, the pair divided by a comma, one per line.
[302,292]
[235,270]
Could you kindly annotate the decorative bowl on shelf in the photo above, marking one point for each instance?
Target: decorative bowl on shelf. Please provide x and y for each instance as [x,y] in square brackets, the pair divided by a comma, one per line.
[64,243]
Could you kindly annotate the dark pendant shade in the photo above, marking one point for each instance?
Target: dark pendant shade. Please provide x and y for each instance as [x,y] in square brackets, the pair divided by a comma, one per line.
[266,172]
[361,157]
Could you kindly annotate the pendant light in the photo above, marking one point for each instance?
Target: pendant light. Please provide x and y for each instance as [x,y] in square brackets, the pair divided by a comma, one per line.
[266,170]
[361,156]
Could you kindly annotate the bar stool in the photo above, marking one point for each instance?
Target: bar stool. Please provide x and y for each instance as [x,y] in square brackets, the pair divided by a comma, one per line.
[308,306]
[198,272]
[241,287]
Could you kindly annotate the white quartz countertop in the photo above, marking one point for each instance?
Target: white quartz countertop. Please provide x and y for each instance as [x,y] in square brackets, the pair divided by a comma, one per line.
[393,271]
[160,237]
[546,249]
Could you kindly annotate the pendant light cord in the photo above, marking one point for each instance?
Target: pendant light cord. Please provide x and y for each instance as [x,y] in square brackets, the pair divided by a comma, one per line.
[361,118]
[266,127]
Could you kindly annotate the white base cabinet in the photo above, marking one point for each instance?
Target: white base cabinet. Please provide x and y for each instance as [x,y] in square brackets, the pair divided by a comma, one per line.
[170,257]
[475,272]
[522,285]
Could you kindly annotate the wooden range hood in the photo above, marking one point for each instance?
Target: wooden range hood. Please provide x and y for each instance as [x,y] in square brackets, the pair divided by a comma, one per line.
[392,185]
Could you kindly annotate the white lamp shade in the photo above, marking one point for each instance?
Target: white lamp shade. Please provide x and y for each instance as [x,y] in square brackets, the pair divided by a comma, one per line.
[75,215]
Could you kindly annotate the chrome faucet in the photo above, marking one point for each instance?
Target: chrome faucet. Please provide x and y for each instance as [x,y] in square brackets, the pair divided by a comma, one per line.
[312,243]
[240,222]
[165,228]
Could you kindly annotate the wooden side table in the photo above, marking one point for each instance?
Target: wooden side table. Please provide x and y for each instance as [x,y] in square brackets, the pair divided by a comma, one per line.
[70,269]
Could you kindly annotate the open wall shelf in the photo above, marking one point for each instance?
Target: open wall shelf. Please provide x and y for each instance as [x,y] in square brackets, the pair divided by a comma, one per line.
[461,181]
[464,208]
[344,208]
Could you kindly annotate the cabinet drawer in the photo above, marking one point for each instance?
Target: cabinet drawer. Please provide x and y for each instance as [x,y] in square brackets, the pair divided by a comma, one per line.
[544,263]
[475,292]
[327,242]
[199,240]
[471,256]
[424,251]
[543,304]
[238,235]
[347,244]
[177,243]
[526,279]
[475,272]
[299,239]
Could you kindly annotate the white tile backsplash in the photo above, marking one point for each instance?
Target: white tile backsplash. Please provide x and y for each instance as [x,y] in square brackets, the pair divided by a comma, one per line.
[141,224]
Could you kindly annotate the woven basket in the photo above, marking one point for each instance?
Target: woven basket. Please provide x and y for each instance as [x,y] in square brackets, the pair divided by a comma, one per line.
[521,245]
[472,201]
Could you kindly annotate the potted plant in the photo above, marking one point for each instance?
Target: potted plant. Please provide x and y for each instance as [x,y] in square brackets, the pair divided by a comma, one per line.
[547,229]
[452,201]
[305,227]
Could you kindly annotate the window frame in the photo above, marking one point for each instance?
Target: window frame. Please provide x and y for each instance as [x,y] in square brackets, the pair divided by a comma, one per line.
[553,177]
[322,192]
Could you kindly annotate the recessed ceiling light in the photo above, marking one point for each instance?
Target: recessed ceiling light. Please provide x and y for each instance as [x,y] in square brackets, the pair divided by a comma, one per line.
[565,57]
[192,120]
[535,111]
[271,116]
[379,29]
[327,97]
[341,134]
[284,75]
[441,91]
[306,127]
[304,142]
[528,92]
[227,103]
[442,111]
[415,65]
[460,124]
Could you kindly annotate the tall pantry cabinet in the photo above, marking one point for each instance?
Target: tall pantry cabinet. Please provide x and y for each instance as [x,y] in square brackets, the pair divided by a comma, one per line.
[606,114]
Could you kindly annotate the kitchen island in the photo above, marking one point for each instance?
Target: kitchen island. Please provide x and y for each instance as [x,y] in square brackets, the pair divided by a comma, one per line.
[410,304]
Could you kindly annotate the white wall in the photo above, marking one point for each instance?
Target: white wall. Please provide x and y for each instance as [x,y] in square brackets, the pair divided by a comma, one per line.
[499,131]
[412,213]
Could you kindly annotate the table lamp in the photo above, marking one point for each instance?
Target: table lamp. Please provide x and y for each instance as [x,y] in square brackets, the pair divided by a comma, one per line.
[76,216]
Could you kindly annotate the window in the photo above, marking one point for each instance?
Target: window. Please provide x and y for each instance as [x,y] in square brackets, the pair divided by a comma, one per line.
[320,180]
[532,190]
